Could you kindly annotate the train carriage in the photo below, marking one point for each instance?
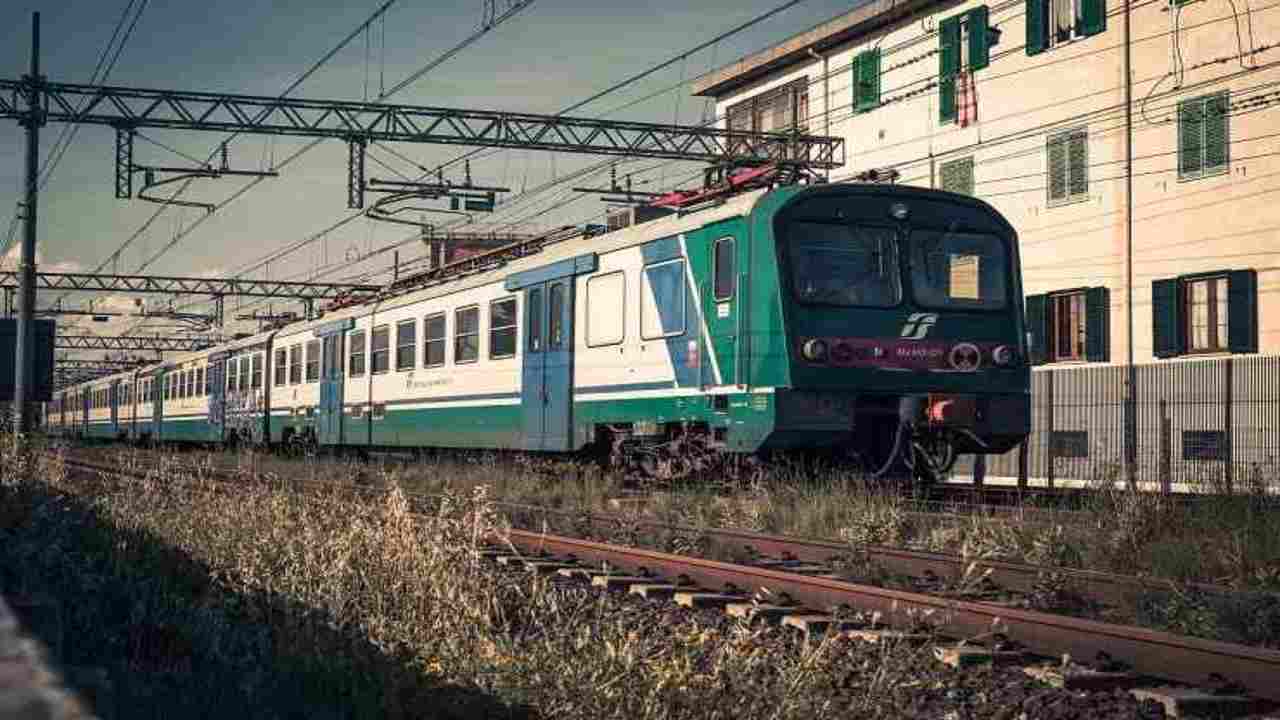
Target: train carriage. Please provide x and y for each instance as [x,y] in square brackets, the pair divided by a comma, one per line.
[885,321]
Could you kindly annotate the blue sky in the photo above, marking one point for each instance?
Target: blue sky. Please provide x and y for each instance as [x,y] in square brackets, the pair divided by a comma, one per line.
[551,55]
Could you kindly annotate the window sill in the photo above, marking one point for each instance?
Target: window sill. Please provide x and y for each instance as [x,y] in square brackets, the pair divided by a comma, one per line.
[1069,200]
[1215,172]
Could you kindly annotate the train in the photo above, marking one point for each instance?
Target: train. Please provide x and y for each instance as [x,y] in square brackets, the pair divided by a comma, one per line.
[882,324]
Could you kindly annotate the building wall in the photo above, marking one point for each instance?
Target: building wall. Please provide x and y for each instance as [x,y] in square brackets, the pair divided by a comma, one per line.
[1227,221]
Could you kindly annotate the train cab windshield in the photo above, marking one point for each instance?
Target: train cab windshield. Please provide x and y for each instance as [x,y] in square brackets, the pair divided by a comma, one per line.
[840,264]
[958,270]
[849,264]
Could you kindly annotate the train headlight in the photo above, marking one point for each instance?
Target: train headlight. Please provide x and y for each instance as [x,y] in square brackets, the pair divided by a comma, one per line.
[899,211]
[814,350]
[1003,356]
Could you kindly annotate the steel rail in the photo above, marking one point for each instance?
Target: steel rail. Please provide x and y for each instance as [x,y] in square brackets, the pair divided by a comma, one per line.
[1150,652]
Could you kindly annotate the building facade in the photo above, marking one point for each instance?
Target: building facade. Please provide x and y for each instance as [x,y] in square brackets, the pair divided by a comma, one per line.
[1025,104]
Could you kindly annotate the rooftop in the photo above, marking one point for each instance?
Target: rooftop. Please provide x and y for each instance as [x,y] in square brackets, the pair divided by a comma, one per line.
[867,17]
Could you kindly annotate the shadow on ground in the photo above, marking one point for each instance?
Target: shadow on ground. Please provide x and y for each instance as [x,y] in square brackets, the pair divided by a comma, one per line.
[145,631]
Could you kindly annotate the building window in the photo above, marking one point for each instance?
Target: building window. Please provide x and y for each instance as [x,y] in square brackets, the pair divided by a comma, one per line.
[964,46]
[1070,325]
[957,176]
[433,332]
[1053,22]
[777,110]
[1203,136]
[406,344]
[255,380]
[1068,161]
[1205,313]
[466,335]
[725,272]
[355,367]
[295,364]
[502,328]
[282,367]
[380,353]
[313,360]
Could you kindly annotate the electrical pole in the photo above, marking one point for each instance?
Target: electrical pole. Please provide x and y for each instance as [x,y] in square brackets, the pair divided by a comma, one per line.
[1131,379]
[25,359]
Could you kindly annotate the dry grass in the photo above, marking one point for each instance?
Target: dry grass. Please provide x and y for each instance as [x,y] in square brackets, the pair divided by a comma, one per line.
[270,602]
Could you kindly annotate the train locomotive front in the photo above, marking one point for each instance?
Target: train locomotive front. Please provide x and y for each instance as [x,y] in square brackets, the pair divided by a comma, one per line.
[901,313]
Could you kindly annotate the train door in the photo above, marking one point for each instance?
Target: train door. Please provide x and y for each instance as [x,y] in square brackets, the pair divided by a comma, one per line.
[721,306]
[547,374]
[216,377]
[158,382]
[113,399]
[329,413]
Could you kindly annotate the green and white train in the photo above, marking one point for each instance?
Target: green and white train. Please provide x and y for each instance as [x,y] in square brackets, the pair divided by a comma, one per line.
[876,320]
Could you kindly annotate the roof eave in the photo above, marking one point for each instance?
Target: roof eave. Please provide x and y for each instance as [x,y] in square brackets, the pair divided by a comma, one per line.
[862,20]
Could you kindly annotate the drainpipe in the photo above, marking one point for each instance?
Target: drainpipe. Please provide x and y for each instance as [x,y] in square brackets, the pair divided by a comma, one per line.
[1131,374]
[826,100]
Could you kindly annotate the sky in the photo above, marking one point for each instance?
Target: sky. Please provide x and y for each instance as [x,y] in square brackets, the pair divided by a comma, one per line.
[551,55]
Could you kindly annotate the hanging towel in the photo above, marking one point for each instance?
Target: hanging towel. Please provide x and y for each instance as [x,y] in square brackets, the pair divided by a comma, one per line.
[966,99]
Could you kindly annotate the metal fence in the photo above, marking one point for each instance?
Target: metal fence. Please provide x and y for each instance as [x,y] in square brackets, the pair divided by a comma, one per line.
[1197,426]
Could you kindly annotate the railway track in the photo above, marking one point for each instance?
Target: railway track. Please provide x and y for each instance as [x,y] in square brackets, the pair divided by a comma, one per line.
[795,578]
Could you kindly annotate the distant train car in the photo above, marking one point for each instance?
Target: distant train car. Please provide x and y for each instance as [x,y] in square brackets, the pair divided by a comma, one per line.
[879,321]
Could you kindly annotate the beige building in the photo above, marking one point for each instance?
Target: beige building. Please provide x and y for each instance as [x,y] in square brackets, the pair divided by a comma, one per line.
[1023,104]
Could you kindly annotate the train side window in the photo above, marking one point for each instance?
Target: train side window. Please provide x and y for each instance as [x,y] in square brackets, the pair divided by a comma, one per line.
[433,332]
[502,328]
[295,364]
[535,320]
[606,309]
[725,277]
[406,344]
[466,335]
[355,354]
[244,373]
[662,300]
[201,388]
[555,316]
[379,353]
[282,367]
[256,379]
[313,360]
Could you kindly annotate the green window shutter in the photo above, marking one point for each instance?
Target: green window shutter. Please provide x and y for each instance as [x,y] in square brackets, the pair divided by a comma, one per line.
[1038,327]
[1242,311]
[855,74]
[948,66]
[1216,138]
[867,78]
[1077,164]
[979,51]
[1190,133]
[1168,334]
[1093,17]
[1037,26]
[1097,328]
[947,100]
[1057,151]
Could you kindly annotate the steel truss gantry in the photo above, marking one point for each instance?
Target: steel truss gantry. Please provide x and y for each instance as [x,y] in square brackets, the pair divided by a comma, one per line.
[359,123]
[134,342]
